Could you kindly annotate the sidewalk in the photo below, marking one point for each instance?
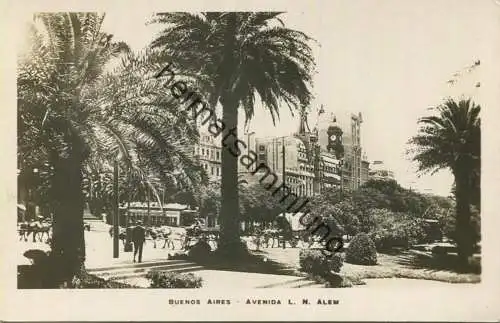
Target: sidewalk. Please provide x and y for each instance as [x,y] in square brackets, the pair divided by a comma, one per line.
[99,251]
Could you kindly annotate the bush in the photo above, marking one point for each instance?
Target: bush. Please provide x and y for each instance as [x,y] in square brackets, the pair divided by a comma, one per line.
[337,281]
[316,263]
[361,251]
[200,251]
[332,281]
[166,279]
[89,281]
[395,230]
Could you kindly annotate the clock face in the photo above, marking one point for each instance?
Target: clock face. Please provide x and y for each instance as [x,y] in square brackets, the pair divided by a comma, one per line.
[333,137]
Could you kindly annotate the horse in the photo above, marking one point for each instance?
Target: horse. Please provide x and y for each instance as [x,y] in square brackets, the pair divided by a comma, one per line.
[270,234]
[24,230]
[152,234]
[166,234]
[44,229]
[172,234]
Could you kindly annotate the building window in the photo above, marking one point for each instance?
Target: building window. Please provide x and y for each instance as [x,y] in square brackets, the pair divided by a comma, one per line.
[217,155]
[211,170]
[218,171]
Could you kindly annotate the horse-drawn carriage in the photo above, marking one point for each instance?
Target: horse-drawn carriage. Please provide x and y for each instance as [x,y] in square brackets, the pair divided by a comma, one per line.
[197,233]
[175,236]
[40,228]
[288,231]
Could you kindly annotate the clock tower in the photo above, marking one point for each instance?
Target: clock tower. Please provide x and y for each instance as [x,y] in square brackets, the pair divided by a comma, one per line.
[335,144]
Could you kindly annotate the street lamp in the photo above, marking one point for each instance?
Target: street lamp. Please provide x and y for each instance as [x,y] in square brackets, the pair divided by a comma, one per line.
[116,215]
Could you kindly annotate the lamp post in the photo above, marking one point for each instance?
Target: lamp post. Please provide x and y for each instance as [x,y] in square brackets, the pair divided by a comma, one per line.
[283,159]
[116,214]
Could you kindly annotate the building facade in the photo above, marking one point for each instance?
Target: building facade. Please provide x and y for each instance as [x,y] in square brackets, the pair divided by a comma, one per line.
[309,165]
[308,171]
[171,214]
[299,173]
[379,171]
[365,171]
[350,124]
[209,153]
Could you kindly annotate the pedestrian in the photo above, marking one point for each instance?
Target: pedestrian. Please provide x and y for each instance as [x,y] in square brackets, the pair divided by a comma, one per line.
[138,238]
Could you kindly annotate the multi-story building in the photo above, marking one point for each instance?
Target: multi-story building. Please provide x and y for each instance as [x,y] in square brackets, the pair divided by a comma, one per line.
[351,138]
[309,165]
[208,151]
[330,171]
[299,172]
[365,170]
[308,168]
[379,171]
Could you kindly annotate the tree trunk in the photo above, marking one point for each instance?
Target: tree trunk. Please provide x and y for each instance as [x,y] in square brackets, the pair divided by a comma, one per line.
[68,242]
[230,243]
[230,213]
[463,228]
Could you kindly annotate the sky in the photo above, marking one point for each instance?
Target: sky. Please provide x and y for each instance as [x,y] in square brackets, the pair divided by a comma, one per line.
[388,59]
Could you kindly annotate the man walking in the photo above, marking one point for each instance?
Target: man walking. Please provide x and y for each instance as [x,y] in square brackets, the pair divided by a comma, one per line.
[138,238]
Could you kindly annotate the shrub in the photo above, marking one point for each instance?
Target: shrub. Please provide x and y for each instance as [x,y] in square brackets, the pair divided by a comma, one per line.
[200,251]
[361,251]
[316,263]
[90,281]
[166,279]
[395,230]
[338,281]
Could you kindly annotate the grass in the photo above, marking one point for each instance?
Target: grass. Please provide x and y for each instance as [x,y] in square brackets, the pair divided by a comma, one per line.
[412,265]
[398,264]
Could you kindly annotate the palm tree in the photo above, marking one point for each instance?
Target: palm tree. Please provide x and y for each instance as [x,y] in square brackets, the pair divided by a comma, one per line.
[67,55]
[74,115]
[452,139]
[238,57]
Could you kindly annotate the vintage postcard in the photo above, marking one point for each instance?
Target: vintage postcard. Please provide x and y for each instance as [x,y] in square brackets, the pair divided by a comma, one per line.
[251,161]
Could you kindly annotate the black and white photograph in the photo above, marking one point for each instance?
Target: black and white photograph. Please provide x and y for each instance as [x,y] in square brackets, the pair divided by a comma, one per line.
[329,151]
